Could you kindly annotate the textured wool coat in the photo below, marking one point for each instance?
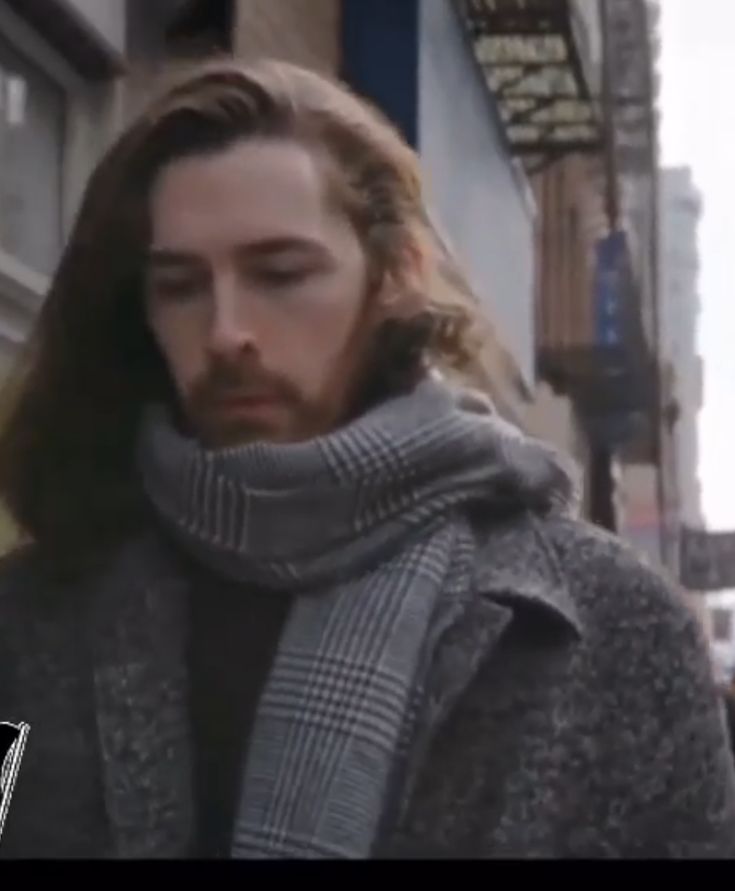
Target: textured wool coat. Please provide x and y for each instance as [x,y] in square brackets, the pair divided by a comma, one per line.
[570,712]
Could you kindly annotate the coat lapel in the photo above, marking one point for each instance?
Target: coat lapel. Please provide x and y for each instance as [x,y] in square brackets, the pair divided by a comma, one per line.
[138,640]
[514,570]
[516,566]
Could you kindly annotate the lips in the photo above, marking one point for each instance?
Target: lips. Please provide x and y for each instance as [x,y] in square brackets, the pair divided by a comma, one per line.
[243,401]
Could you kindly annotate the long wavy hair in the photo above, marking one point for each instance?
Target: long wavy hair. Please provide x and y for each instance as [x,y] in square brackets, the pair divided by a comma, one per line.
[69,415]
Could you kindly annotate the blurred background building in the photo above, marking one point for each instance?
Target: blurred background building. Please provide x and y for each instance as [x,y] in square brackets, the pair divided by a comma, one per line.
[536,125]
[681,211]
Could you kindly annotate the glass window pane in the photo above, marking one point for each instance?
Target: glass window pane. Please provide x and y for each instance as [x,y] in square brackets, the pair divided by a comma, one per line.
[31,145]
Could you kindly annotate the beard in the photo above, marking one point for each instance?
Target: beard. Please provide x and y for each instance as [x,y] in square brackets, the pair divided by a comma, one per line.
[390,363]
[210,405]
[234,404]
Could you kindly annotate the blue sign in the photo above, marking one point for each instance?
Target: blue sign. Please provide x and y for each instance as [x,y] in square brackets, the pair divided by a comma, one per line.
[610,285]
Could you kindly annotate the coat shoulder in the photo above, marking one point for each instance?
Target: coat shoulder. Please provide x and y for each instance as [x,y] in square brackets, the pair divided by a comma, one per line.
[592,577]
[647,646]
[626,723]
[607,577]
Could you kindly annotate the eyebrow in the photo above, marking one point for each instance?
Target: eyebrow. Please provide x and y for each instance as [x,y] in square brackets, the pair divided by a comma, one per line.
[282,244]
[164,258]
[168,258]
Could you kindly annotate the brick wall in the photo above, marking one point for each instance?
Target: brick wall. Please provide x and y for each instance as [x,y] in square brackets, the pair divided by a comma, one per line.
[306,32]
[302,31]
[569,224]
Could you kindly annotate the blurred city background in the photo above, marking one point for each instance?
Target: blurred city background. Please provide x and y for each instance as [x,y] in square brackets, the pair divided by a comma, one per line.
[578,160]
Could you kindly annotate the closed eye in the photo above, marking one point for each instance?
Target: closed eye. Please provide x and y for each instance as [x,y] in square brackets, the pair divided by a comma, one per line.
[283,276]
[174,288]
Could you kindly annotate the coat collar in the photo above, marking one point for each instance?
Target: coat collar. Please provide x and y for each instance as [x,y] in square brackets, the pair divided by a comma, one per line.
[515,570]
[516,565]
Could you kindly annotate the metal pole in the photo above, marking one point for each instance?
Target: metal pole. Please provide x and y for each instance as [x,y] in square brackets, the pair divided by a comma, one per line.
[612,203]
[602,485]
[658,395]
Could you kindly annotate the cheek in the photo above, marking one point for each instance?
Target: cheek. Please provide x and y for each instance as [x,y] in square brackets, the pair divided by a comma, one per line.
[182,348]
[322,336]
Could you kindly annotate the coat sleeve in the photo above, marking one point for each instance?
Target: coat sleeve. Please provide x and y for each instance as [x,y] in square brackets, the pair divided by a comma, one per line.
[667,728]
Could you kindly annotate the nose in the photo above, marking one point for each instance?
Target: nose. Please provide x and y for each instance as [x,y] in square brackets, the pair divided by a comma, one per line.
[230,334]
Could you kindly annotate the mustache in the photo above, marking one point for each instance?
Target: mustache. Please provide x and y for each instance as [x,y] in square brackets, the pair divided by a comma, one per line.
[228,380]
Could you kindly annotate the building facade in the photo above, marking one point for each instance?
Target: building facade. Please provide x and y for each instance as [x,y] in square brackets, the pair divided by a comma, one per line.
[681,211]
[58,107]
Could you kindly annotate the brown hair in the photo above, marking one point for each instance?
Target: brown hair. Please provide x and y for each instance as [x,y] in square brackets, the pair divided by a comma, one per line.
[71,411]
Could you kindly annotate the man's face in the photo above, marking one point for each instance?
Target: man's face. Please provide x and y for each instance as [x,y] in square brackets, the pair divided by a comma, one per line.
[256,294]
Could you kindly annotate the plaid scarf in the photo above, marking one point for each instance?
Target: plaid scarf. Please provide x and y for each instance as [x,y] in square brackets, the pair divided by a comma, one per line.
[367,525]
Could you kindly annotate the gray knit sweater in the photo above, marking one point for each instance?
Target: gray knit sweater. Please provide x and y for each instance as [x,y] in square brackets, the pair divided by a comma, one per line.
[591,729]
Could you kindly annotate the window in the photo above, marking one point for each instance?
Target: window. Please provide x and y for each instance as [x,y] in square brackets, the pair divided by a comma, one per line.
[52,122]
[32,132]
[721,624]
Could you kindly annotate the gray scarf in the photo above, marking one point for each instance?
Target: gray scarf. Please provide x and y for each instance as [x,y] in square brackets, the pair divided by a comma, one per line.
[368,526]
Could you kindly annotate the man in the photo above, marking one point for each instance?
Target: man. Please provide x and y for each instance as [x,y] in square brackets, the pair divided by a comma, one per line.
[290,589]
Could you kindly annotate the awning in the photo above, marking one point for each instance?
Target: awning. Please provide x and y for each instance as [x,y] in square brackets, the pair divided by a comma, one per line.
[534,57]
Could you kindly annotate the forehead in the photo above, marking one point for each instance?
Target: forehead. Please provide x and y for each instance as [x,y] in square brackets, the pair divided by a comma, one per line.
[249,191]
